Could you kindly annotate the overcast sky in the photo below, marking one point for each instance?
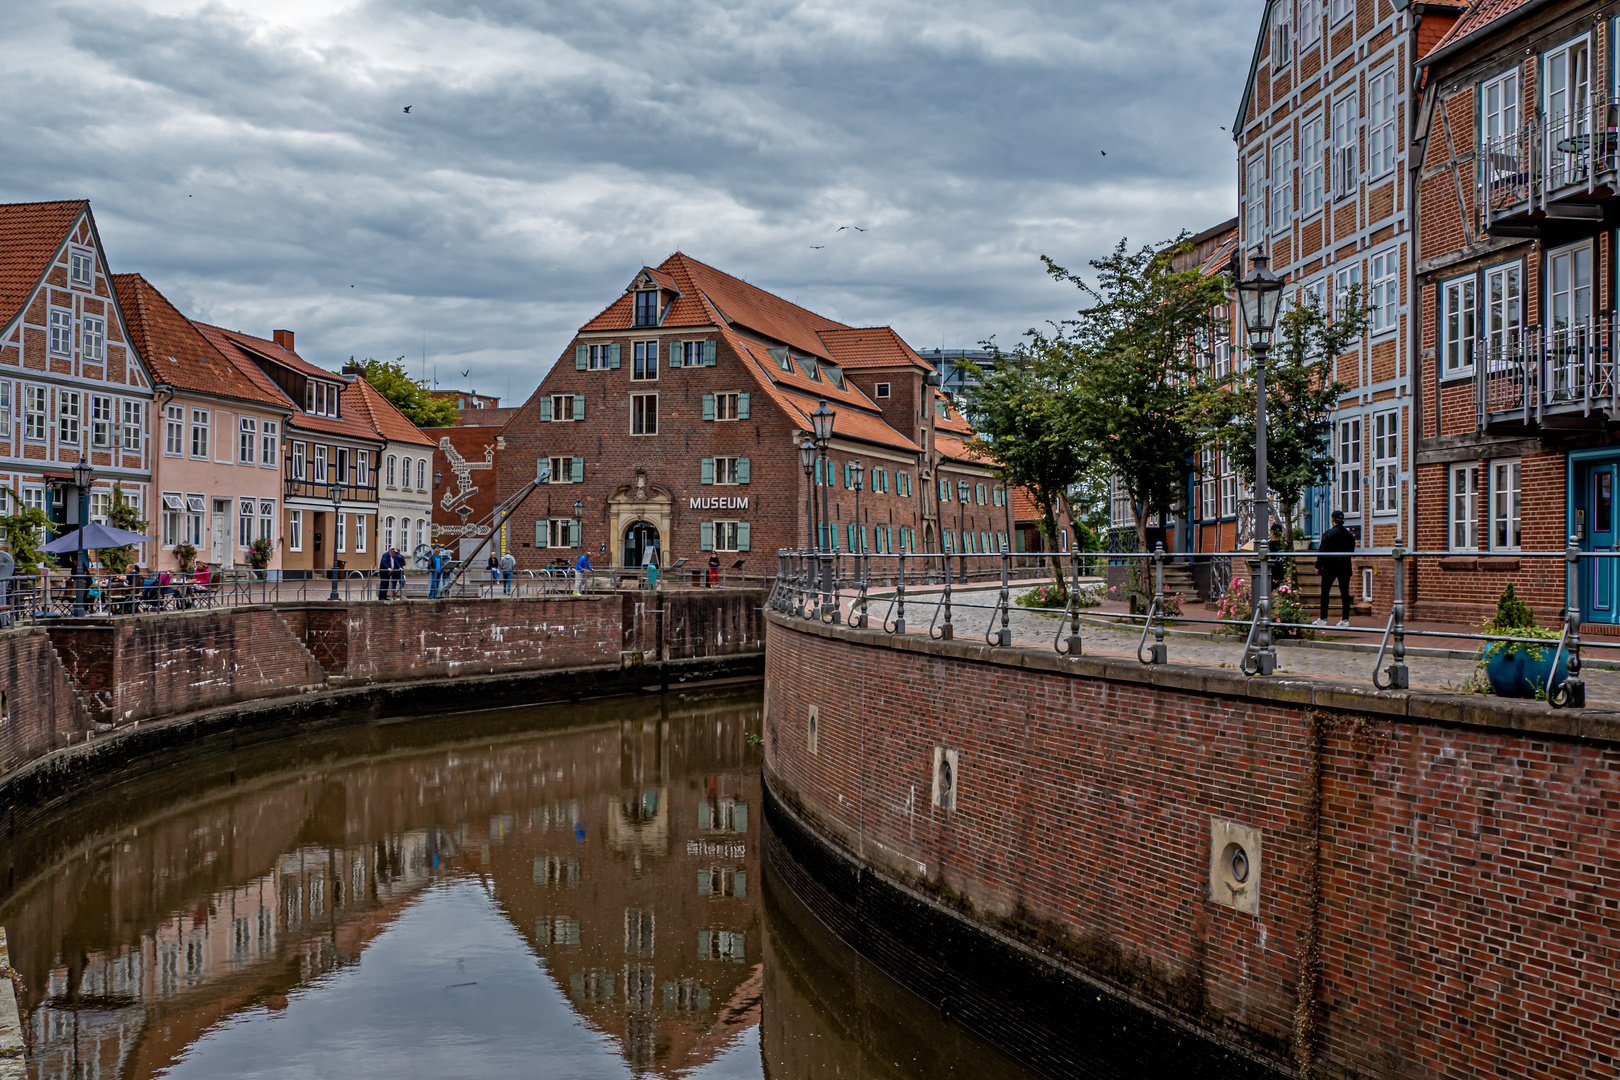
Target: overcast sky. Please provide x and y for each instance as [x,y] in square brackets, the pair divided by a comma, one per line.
[252,159]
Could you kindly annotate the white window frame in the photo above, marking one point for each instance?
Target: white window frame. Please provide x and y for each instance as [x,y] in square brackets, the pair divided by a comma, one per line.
[69,415]
[199,433]
[388,533]
[1459,326]
[639,423]
[195,523]
[1339,9]
[247,512]
[1348,465]
[319,470]
[1384,296]
[342,531]
[267,520]
[174,509]
[421,474]
[1386,462]
[1282,34]
[1506,523]
[103,422]
[1382,108]
[600,357]
[1499,122]
[299,462]
[1344,278]
[1310,23]
[1312,174]
[391,473]
[247,440]
[1503,303]
[359,534]
[61,324]
[269,444]
[132,427]
[1346,145]
[1254,202]
[93,337]
[79,272]
[1462,496]
[295,530]
[1282,183]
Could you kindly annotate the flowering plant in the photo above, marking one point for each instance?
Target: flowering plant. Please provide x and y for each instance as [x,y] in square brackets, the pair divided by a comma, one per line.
[1236,606]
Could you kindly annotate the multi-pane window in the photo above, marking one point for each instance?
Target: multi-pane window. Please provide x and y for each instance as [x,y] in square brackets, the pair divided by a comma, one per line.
[1311,174]
[562,470]
[67,417]
[199,433]
[247,438]
[195,510]
[1208,484]
[174,509]
[320,399]
[102,415]
[295,530]
[244,522]
[100,506]
[391,473]
[1499,124]
[555,533]
[34,412]
[647,307]
[1381,123]
[1386,289]
[320,465]
[1282,183]
[1457,325]
[1346,126]
[1386,462]
[362,468]
[360,533]
[93,336]
[1229,487]
[727,535]
[174,429]
[1339,9]
[79,269]
[267,520]
[342,532]
[421,474]
[388,533]
[601,357]
[645,360]
[132,426]
[725,470]
[298,470]
[1282,34]
[405,475]
[61,332]
[725,406]
[1503,312]
[643,414]
[1310,23]
[1349,463]
[1464,508]
[269,437]
[562,405]
[1254,198]
[697,353]
[1505,505]
[1346,283]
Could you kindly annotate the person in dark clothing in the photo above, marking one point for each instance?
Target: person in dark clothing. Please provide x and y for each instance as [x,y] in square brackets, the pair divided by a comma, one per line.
[1334,565]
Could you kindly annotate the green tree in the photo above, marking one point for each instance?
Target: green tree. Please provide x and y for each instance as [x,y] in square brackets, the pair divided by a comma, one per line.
[390,379]
[23,532]
[1131,384]
[1024,428]
[122,515]
[1300,398]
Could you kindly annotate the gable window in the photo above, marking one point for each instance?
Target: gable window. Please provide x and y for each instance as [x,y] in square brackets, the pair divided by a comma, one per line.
[1310,164]
[645,359]
[881,391]
[643,414]
[1282,183]
[1457,326]
[647,307]
[132,426]
[1381,123]
[1282,34]
[1464,508]
[247,436]
[268,440]
[174,430]
[1386,462]
[1386,288]
[1346,125]
[101,421]
[61,332]
[94,337]
[1310,23]
[1254,199]
[79,269]
[68,416]
[1499,125]
[1349,463]
[1505,505]
[199,433]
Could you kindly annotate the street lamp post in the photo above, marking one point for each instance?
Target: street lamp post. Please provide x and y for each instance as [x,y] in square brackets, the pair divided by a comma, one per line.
[963,490]
[807,458]
[82,477]
[822,422]
[859,544]
[335,490]
[579,527]
[1260,297]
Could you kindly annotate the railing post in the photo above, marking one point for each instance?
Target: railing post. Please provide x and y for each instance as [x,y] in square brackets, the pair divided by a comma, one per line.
[1074,601]
[1572,694]
[860,572]
[1399,677]
[900,597]
[1160,653]
[1003,636]
[947,632]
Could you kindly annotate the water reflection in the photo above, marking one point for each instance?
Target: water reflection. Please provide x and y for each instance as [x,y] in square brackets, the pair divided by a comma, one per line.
[571,890]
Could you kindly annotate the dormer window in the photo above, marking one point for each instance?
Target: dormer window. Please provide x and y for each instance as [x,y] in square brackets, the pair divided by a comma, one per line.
[834,375]
[809,366]
[320,399]
[647,307]
[781,358]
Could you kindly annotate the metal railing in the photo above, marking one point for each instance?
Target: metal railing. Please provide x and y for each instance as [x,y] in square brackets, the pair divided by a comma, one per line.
[1525,375]
[1569,154]
[822,586]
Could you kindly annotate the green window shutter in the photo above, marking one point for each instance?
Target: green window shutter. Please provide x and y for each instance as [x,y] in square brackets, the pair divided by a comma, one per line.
[703,887]
[703,815]
[706,536]
[742,406]
[708,470]
[674,354]
[582,357]
[542,534]
[742,470]
[741,883]
[847,476]
[545,408]
[708,406]
[743,529]
[703,943]
[579,406]
[1018,540]
[708,354]
[834,538]
[739,821]
[579,470]
[613,356]
[849,531]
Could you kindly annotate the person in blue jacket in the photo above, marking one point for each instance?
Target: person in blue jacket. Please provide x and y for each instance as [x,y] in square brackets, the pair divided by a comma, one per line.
[435,572]
[581,568]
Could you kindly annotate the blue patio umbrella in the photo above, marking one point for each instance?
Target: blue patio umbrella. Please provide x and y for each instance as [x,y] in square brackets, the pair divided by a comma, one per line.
[96,537]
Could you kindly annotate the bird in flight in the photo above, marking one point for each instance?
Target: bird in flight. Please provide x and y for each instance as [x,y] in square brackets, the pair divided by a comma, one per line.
[407,108]
[1104,153]
[464,374]
[817,247]
[857,228]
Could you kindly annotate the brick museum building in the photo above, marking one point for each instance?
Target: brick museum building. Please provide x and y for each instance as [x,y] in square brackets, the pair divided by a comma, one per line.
[674,419]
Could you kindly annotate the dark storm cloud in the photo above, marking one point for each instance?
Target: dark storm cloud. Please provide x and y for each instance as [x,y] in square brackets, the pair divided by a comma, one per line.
[254,162]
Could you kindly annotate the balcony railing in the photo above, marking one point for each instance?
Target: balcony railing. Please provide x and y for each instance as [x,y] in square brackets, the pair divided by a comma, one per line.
[1553,167]
[321,489]
[1559,377]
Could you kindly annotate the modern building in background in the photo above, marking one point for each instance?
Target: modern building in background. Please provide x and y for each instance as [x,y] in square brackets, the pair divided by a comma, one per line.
[958,369]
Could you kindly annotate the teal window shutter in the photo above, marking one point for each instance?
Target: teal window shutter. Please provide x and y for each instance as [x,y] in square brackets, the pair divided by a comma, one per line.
[706,539]
[742,470]
[863,537]
[579,470]
[708,354]
[703,815]
[542,534]
[742,406]
[582,357]
[708,470]
[743,528]
[850,531]
[703,884]
[834,545]
[613,356]
[739,821]
[674,354]
[579,406]
[545,407]
[708,406]
[741,883]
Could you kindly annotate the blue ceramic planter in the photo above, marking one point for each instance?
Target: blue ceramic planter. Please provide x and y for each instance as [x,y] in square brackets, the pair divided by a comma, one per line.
[1514,673]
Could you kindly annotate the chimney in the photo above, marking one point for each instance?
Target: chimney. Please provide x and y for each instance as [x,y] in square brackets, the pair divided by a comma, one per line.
[352,369]
[284,338]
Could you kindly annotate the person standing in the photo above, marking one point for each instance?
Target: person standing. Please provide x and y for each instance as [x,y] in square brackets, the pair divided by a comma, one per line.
[435,571]
[649,563]
[714,570]
[385,571]
[581,568]
[508,565]
[494,568]
[1333,563]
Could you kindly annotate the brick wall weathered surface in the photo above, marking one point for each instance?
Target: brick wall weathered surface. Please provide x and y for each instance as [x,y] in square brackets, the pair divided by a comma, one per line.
[434,639]
[39,712]
[1469,920]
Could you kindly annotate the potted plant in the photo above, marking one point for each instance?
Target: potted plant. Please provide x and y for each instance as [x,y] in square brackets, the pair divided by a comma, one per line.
[1513,668]
[185,555]
[259,556]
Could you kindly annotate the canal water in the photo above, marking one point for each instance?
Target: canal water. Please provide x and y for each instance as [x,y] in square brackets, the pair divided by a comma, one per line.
[570,891]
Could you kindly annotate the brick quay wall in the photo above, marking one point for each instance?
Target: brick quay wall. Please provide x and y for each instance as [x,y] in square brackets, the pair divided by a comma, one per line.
[1436,877]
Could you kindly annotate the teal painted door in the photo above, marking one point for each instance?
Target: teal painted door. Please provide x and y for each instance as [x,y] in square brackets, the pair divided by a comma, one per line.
[1598,578]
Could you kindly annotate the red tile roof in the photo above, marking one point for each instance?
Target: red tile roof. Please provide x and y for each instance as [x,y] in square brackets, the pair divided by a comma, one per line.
[953,421]
[663,279]
[239,353]
[958,449]
[30,236]
[870,347]
[382,414]
[1477,16]
[177,353]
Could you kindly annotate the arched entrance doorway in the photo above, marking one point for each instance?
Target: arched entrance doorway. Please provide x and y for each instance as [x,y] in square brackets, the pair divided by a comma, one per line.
[640,536]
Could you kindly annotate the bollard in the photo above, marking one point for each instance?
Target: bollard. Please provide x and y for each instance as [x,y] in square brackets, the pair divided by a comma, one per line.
[1572,693]
[1399,677]
[1074,602]
[900,598]
[948,631]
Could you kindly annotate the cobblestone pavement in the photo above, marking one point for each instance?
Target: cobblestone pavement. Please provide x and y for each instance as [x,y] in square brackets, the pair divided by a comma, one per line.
[972,611]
